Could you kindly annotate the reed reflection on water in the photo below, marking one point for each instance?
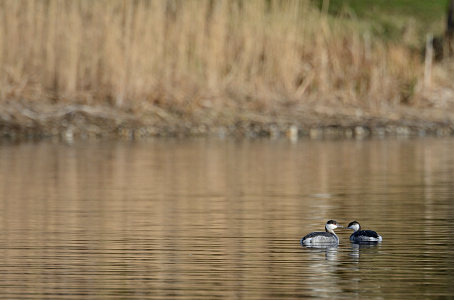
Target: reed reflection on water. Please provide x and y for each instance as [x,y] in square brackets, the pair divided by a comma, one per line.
[209,218]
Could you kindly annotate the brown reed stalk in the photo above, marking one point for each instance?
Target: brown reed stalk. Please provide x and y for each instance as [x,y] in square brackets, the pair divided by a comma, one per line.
[180,53]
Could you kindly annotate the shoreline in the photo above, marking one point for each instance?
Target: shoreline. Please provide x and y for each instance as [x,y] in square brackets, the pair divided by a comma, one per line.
[31,121]
[134,70]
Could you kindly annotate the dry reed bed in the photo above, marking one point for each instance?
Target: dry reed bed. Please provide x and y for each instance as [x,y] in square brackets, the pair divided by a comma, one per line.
[183,56]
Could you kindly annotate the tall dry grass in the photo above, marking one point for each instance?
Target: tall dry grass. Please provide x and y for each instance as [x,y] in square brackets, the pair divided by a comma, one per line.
[251,54]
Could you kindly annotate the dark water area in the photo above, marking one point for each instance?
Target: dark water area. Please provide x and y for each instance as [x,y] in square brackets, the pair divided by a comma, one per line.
[204,219]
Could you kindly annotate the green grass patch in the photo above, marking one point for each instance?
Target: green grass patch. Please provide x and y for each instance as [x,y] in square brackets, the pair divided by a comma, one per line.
[393,19]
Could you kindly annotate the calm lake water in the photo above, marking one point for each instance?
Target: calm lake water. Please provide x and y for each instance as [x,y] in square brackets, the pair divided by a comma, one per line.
[205,219]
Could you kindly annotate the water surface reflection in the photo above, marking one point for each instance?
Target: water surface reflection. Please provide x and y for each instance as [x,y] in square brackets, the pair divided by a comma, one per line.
[208,218]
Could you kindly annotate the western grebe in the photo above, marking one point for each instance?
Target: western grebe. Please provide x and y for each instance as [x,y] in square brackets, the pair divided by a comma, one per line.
[322,238]
[362,235]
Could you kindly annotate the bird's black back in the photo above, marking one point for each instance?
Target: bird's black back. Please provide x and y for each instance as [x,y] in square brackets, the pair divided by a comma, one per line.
[368,233]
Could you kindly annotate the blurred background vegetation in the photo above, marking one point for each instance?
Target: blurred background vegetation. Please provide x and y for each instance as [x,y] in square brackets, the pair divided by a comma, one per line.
[201,59]
[389,19]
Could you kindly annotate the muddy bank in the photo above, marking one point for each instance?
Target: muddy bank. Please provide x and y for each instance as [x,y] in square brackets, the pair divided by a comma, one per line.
[30,120]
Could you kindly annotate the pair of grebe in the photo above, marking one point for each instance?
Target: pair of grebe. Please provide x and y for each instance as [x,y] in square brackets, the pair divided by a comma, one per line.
[329,237]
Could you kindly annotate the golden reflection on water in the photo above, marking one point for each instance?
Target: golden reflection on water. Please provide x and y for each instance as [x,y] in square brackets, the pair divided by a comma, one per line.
[209,218]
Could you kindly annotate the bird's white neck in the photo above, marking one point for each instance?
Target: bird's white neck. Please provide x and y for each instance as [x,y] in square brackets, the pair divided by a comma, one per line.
[355,227]
[330,228]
